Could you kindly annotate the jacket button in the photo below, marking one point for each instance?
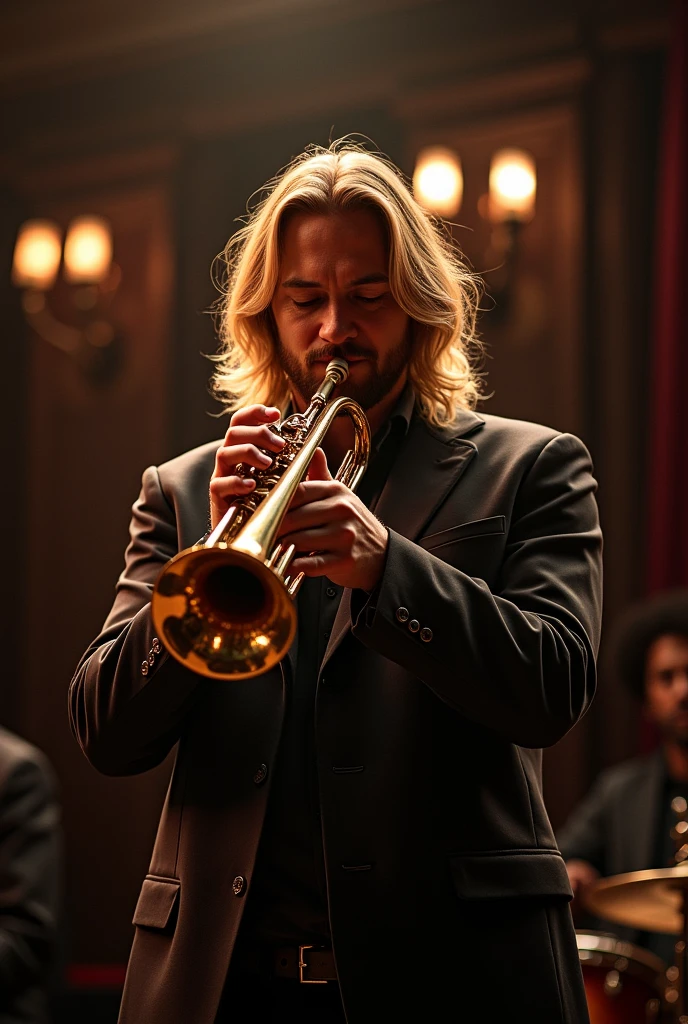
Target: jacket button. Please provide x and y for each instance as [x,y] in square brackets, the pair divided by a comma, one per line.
[331,592]
[426,634]
[261,774]
[402,614]
[414,625]
[156,646]
[144,668]
[239,885]
[151,657]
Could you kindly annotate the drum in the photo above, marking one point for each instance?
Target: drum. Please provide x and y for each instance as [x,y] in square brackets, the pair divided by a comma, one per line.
[624,984]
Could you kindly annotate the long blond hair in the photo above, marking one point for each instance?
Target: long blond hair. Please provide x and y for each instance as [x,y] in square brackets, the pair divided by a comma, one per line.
[428,279]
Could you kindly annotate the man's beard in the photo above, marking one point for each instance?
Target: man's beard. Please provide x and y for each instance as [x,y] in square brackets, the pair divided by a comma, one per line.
[380,378]
[671,731]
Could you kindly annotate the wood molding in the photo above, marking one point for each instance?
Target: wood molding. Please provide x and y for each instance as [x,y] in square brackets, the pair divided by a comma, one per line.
[82,39]
[550,80]
[40,180]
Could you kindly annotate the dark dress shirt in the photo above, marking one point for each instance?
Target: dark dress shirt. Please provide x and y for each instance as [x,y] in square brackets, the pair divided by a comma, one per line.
[287,904]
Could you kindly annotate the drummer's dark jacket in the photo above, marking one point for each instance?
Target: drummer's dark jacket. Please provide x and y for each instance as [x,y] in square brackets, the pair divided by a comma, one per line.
[30,883]
[615,828]
[428,751]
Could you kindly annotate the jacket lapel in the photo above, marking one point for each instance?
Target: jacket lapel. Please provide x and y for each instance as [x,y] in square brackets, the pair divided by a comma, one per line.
[428,466]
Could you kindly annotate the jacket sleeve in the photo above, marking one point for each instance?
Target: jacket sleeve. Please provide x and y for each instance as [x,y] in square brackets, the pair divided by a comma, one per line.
[127,715]
[30,877]
[519,659]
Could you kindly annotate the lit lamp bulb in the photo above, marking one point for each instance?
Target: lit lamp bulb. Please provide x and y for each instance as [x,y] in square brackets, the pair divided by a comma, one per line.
[88,250]
[512,185]
[438,181]
[37,254]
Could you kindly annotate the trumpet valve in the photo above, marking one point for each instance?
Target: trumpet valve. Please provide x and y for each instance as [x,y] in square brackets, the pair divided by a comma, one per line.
[284,560]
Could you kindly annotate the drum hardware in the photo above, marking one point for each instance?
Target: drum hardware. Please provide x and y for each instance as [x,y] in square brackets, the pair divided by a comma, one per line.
[655,900]
[623,983]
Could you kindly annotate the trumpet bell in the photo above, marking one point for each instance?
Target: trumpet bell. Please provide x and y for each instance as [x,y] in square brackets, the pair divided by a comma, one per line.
[228,616]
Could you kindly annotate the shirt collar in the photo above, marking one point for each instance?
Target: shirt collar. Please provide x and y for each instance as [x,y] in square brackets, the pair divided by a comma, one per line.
[399,418]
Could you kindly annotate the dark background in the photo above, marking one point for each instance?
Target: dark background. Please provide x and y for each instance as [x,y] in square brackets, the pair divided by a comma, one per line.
[165,118]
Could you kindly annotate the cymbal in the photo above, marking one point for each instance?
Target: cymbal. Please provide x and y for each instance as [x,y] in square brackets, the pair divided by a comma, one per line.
[651,900]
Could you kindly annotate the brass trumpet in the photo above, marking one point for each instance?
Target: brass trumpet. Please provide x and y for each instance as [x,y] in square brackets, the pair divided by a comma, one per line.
[224,608]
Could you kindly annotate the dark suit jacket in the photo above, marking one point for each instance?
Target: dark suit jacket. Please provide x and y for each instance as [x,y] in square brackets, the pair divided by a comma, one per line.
[30,871]
[495,547]
[615,826]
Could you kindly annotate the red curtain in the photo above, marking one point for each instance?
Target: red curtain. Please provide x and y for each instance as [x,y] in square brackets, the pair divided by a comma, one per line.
[668,471]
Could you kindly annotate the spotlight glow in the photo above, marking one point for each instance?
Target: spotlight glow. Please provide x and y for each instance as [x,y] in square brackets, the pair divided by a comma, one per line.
[512,185]
[37,254]
[438,181]
[88,250]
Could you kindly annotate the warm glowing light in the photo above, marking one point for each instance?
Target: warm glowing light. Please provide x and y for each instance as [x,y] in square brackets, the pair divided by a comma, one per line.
[37,254]
[438,181]
[217,643]
[512,185]
[262,641]
[88,250]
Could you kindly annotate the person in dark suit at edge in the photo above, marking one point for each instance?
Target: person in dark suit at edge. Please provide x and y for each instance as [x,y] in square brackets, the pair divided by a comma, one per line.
[371,807]
[625,822]
[30,883]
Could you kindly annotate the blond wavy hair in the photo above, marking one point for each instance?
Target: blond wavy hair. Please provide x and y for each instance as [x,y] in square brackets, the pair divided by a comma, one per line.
[427,277]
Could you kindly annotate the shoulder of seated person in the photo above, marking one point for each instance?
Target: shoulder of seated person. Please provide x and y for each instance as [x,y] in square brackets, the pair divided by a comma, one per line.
[628,772]
[16,751]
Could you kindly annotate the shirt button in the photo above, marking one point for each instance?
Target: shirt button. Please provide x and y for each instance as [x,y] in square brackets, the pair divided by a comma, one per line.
[414,625]
[426,634]
[261,774]
[331,592]
[145,667]
[239,885]
[402,614]
[326,634]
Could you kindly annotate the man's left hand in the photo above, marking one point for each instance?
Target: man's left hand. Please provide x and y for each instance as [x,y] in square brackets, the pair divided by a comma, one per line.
[334,533]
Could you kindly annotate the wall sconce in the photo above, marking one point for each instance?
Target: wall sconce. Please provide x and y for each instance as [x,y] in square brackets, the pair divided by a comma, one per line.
[438,181]
[89,335]
[509,204]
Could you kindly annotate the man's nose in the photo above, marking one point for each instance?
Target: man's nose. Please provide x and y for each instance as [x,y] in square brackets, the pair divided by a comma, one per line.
[337,325]
[680,686]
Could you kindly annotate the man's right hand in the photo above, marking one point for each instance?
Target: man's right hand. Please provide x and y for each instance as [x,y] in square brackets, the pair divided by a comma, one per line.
[248,432]
[581,876]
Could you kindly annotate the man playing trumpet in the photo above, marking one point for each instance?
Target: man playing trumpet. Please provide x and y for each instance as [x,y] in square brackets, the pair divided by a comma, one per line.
[368,813]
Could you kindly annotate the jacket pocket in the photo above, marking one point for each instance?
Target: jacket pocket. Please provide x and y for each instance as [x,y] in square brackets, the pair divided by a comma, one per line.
[514,873]
[478,528]
[157,903]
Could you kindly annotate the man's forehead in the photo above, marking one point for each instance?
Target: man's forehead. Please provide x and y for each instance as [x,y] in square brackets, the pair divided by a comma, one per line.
[667,648]
[347,234]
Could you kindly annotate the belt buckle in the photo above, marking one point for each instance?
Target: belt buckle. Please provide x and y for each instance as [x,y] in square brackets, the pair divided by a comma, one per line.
[303,966]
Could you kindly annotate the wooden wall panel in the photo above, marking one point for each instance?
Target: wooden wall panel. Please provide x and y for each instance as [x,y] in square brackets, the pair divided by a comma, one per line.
[87,448]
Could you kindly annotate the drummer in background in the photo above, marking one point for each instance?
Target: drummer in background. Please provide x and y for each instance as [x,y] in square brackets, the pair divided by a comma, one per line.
[625,822]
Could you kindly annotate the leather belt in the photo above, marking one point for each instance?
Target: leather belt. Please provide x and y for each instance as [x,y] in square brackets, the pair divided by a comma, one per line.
[311,965]
[306,964]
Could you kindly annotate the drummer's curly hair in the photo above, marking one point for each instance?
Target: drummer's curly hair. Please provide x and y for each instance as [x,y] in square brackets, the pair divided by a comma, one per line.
[428,278]
[665,614]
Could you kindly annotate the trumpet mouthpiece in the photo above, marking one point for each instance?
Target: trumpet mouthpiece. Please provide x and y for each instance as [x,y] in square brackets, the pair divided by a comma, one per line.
[339,367]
